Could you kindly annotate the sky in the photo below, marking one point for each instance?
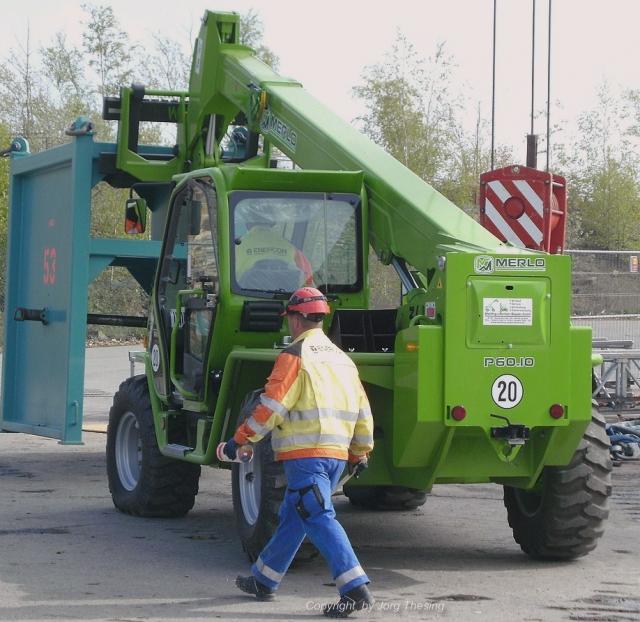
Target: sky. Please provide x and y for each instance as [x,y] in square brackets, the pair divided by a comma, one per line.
[326,45]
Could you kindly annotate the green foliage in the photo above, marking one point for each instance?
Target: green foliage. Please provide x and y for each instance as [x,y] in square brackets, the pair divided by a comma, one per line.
[43,90]
[407,110]
[168,67]
[5,139]
[607,200]
[25,107]
[108,48]
[413,111]
[251,34]
[602,166]
[384,284]
[63,65]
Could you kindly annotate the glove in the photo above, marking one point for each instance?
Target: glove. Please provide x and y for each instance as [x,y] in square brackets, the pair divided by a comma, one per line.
[356,468]
[230,449]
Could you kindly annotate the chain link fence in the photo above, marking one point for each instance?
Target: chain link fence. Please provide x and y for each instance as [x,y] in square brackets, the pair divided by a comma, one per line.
[606,294]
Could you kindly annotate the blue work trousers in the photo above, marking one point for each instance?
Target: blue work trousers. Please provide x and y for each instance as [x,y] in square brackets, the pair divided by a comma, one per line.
[307,509]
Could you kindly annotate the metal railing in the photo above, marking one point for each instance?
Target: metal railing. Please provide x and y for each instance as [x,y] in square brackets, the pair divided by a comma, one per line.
[616,382]
[606,293]
[606,296]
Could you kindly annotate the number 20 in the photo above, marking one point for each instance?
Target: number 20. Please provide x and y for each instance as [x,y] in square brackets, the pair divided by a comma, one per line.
[508,391]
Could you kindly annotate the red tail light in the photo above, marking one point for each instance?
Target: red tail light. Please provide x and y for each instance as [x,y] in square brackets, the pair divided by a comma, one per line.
[557,411]
[458,413]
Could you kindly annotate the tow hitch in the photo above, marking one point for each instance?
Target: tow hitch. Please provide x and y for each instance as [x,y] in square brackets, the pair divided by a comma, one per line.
[513,433]
[510,439]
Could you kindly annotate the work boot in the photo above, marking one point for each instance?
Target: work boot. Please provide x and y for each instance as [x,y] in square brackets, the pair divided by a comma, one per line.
[354,600]
[251,586]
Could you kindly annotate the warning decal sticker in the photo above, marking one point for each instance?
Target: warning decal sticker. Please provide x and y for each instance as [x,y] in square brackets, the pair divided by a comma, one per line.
[507,311]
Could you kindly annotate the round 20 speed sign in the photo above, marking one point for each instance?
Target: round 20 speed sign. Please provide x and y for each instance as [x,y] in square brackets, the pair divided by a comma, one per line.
[507,391]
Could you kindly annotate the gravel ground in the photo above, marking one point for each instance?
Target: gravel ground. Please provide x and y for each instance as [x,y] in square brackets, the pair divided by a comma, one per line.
[67,554]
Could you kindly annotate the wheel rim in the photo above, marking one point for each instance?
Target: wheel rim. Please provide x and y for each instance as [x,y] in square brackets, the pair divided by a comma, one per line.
[128,451]
[250,484]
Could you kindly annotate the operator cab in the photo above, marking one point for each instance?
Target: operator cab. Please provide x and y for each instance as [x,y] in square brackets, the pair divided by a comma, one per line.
[232,255]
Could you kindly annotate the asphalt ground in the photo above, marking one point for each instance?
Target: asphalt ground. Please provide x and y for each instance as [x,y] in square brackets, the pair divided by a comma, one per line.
[67,554]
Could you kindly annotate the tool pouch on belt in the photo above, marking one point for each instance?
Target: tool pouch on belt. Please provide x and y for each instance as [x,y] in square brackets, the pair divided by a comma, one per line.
[314,503]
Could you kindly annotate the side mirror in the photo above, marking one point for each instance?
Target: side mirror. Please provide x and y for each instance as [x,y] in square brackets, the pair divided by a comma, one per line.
[135,216]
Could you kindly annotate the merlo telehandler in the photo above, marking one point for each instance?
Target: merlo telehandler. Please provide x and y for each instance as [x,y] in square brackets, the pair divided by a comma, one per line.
[475,375]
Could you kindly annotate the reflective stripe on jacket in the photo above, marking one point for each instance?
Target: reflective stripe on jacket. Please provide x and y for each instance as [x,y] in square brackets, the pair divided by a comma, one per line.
[313,403]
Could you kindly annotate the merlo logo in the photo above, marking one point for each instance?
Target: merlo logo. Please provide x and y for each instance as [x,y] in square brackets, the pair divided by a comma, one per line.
[483,264]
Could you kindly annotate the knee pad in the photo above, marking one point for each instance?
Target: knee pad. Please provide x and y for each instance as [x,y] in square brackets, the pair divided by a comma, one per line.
[310,501]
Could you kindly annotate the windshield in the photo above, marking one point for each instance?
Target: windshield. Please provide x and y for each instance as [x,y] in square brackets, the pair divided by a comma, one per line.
[286,240]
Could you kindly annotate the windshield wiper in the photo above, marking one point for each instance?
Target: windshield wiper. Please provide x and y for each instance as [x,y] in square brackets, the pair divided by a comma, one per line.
[278,294]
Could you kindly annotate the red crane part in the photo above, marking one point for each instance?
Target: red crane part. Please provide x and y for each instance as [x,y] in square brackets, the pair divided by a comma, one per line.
[525,206]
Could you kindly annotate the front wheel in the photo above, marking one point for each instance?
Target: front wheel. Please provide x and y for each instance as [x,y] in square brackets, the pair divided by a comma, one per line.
[142,481]
[565,517]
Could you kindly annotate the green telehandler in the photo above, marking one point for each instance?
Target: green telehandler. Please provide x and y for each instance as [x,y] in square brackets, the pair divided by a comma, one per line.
[475,376]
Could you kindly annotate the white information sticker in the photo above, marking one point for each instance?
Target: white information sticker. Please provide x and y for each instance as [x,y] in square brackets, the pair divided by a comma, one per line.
[507,391]
[507,311]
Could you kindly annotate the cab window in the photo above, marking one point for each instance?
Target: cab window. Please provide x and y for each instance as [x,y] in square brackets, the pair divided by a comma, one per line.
[190,253]
[283,241]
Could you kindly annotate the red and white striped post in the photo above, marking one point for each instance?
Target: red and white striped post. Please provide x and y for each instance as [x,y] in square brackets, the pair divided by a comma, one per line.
[525,207]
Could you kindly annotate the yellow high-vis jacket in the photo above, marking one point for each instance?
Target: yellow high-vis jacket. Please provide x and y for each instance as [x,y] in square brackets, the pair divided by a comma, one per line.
[313,403]
[263,243]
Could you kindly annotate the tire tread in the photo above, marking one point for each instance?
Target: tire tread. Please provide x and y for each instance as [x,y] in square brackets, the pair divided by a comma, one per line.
[574,502]
[167,487]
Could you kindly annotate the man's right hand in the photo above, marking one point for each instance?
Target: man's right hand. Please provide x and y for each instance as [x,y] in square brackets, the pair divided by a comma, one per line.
[356,468]
[230,449]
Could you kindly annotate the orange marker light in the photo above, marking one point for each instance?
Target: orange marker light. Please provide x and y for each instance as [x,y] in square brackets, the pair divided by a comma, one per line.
[411,347]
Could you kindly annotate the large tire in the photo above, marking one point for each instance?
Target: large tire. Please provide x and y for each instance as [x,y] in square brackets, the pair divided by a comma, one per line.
[142,481]
[396,498]
[566,518]
[258,489]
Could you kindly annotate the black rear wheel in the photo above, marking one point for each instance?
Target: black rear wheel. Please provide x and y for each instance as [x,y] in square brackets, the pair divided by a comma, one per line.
[564,518]
[142,481]
[385,497]
[258,489]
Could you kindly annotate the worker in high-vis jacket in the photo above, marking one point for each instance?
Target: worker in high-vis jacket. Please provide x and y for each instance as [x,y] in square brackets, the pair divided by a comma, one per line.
[320,421]
[266,260]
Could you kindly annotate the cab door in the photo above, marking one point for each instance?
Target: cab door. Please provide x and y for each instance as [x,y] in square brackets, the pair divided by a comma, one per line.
[186,292]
